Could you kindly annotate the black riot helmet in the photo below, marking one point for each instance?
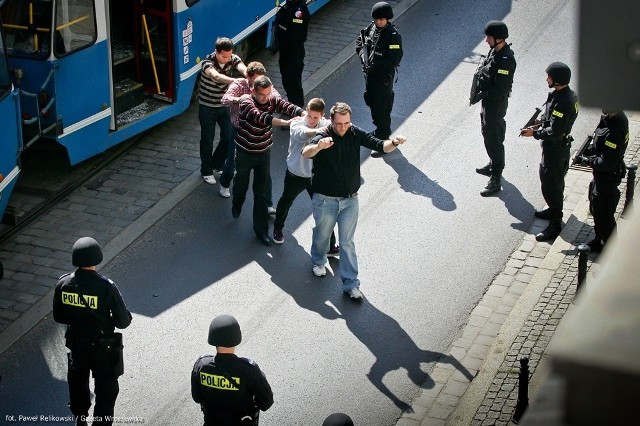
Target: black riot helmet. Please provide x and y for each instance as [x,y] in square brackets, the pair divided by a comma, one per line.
[225,331]
[559,72]
[496,29]
[382,9]
[338,419]
[86,252]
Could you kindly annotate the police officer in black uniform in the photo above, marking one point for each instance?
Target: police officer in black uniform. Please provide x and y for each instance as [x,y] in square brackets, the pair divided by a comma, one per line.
[91,306]
[290,33]
[230,390]
[495,79]
[553,130]
[606,157]
[379,47]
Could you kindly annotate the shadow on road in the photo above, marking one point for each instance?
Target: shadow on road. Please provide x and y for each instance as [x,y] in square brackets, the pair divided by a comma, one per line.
[385,338]
[415,181]
[517,206]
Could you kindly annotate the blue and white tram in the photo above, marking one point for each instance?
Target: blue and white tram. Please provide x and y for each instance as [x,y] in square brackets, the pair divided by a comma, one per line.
[93,73]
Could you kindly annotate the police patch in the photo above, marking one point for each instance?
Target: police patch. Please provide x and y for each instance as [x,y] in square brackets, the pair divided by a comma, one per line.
[217,382]
[503,72]
[394,46]
[73,299]
[297,21]
[611,144]
[557,113]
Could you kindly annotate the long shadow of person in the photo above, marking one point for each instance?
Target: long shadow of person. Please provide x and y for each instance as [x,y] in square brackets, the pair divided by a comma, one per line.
[393,348]
[381,334]
[517,206]
[414,181]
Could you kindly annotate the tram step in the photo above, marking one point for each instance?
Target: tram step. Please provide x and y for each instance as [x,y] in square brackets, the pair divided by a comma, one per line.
[128,94]
[124,68]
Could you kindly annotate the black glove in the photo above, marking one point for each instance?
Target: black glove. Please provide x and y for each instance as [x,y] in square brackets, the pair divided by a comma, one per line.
[583,161]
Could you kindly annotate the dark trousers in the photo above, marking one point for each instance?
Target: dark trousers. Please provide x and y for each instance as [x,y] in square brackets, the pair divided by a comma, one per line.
[209,117]
[260,164]
[603,201]
[493,131]
[291,62]
[81,362]
[293,186]
[379,96]
[553,168]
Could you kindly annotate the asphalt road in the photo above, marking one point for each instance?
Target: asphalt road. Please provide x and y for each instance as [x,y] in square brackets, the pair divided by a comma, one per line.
[428,246]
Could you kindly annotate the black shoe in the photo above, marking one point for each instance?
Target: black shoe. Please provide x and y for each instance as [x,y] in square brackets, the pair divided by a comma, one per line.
[596,245]
[543,214]
[235,211]
[377,154]
[492,187]
[265,239]
[551,232]
[486,170]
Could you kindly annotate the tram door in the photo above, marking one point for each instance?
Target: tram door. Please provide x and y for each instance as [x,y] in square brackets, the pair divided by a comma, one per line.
[142,55]
[10,134]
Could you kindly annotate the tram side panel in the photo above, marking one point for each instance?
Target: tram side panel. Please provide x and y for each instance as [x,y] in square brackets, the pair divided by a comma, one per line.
[10,130]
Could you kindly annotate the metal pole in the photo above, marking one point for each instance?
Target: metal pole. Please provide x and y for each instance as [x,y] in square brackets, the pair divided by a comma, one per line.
[584,251]
[523,390]
[631,183]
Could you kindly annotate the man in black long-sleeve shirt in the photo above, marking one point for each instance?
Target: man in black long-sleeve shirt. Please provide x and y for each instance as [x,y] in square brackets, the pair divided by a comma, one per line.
[335,182]
[553,130]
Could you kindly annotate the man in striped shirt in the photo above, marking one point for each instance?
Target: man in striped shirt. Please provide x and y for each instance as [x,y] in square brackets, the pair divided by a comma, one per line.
[232,98]
[218,71]
[253,149]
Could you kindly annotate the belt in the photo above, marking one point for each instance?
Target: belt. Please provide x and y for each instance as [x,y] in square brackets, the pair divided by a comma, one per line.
[353,195]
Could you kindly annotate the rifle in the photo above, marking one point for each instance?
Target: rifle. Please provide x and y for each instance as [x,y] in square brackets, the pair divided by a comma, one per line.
[474,97]
[531,121]
[364,52]
[581,150]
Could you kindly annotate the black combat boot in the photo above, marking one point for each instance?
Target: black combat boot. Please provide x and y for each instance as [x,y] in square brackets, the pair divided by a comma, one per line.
[486,170]
[492,187]
[596,245]
[551,232]
[543,214]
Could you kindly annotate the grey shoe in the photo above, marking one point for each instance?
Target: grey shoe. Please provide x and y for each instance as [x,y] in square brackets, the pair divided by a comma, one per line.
[319,270]
[355,294]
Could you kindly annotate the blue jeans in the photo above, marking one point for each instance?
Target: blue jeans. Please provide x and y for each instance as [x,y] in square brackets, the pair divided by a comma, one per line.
[230,164]
[208,117]
[327,211]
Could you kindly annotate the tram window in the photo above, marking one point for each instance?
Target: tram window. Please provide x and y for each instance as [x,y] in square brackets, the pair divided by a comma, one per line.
[5,80]
[75,26]
[27,26]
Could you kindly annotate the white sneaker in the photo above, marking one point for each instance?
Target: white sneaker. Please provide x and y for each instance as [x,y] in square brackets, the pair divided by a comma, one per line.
[355,294]
[319,270]
[225,191]
[210,179]
[271,211]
